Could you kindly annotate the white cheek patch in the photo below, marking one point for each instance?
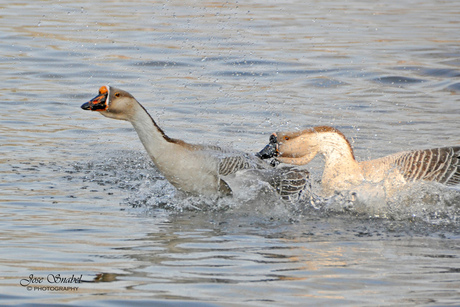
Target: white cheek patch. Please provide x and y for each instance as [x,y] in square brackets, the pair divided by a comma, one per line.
[108,96]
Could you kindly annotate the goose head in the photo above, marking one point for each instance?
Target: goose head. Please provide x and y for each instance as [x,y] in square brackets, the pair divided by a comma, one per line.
[113,103]
[299,147]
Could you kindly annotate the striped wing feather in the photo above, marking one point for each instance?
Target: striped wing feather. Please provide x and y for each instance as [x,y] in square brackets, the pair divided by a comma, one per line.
[291,184]
[439,164]
[232,164]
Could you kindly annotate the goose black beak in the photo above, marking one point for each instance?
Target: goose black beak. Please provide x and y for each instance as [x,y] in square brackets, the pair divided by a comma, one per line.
[271,150]
[85,106]
[98,103]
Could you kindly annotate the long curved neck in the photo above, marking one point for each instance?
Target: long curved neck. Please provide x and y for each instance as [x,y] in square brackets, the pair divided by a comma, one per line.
[340,164]
[335,149]
[155,141]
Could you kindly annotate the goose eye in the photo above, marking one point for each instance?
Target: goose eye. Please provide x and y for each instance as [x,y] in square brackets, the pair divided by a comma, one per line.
[117,94]
[286,138]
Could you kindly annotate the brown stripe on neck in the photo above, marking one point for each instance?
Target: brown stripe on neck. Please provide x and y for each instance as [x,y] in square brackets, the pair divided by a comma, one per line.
[167,138]
[163,134]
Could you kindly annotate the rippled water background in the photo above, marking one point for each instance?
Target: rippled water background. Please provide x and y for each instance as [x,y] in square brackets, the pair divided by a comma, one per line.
[80,197]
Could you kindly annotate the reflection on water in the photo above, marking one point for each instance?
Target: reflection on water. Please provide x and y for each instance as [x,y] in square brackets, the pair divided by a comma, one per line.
[79,196]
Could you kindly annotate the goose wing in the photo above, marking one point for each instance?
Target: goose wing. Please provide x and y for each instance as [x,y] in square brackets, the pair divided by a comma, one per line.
[229,162]
[291,183]
[234,163]
[439,164]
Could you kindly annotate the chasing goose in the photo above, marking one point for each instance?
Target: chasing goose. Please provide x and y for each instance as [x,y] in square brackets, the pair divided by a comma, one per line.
[196,169]
[342,172]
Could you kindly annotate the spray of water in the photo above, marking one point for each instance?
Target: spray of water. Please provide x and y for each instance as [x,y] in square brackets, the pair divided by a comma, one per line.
[134,173]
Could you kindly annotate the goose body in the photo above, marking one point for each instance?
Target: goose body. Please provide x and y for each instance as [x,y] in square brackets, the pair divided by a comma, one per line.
[193,168]
[343,172]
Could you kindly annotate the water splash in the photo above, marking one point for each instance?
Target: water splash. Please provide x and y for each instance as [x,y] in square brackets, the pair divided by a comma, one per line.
[420,201]
[145,187]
